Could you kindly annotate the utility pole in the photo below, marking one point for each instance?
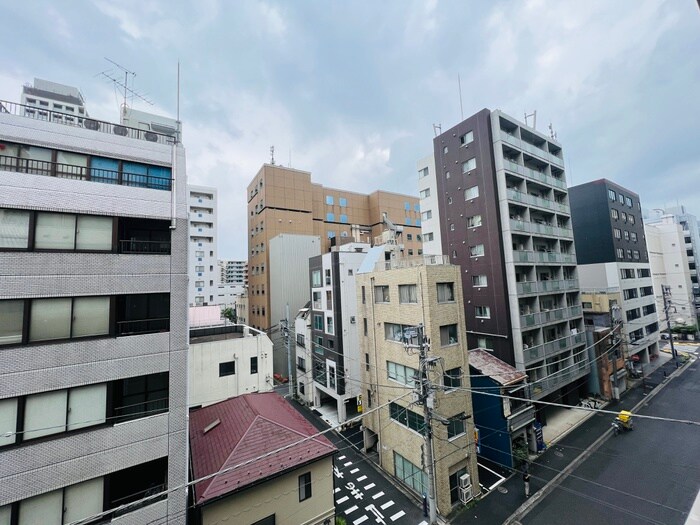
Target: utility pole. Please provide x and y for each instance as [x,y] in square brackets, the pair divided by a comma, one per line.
[616,323]
[288,341]
[425,396]
[667,304]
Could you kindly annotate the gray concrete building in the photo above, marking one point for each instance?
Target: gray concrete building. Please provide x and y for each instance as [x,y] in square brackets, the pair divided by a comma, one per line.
[93,320]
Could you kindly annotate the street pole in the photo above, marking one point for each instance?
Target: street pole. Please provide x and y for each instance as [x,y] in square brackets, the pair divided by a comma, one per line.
[289,352]
[616,343]
[667,302]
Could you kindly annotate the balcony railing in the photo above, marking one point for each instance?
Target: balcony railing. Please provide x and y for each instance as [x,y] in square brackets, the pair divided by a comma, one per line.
[553,347]
[549,316]
[143,326]
[529,256]
[412,262]
[541,229]
[530,287]
[534,200]
[147,247]
[534,174]
[82,121]
[70,171]
[542,387]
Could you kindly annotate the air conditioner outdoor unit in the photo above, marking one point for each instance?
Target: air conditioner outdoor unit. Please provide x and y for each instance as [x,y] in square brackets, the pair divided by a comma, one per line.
[465,495]
[465,481]
[352,319]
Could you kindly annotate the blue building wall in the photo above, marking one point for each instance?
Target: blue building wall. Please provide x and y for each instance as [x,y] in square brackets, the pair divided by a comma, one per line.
[494,438]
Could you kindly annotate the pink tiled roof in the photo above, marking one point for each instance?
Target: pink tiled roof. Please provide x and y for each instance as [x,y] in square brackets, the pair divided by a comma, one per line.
[250,425]
[491,366]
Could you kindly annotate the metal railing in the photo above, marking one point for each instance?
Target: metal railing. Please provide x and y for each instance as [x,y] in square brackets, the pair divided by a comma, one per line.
[535,175]
[71,171]
[137,246]
[143,326]
[541,228]
[534,200]
[412,262]
[553,347]
[560,285]
[549,316]
[83,121]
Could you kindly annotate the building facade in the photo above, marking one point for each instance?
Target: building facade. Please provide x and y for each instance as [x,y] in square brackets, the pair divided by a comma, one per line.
[505,220]
[46,100]
[430,210]
[612,256]
[393,299]
[303,355]
[93,386]
[203,267]
[285,201]
[234,272]
[334,340]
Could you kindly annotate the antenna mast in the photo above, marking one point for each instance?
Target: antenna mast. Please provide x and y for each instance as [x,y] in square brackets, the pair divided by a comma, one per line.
[109,75]
[437,129]
[459,84]
[272,155]
[534,119]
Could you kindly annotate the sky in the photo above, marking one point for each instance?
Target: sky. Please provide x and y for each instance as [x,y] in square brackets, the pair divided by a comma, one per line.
[350,90]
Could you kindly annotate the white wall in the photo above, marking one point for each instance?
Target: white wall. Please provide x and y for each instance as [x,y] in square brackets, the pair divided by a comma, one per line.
[429,203]
[202,204]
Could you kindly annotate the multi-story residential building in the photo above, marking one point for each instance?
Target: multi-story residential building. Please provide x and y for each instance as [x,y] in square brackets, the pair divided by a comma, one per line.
[505,220]
[93,321]
[670,267]
[303,355]
[334,342]
[612,256]
[47,100]
[691,242]
[430,210]
[202,267]
[393,298]
[234,272]
[285,201]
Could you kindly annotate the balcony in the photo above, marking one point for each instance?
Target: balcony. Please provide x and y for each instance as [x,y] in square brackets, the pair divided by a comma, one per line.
[532,287]
[540,202]
[529,256]
[542,387]
[534,175]
[541,229]
[84,122]
[549,316]
[553,347]
[520,419]
[412,262]
[144,247]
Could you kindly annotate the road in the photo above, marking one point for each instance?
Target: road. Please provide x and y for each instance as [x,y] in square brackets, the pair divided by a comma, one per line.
[650,475]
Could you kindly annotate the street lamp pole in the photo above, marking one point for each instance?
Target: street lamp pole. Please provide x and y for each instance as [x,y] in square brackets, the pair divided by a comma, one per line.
[667,303]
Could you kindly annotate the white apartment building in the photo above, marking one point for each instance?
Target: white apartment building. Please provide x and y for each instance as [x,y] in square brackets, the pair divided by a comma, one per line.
[303,355]
[93,360]
[430,210]
[234,272]
[203,268]
[46,100]
[670,267]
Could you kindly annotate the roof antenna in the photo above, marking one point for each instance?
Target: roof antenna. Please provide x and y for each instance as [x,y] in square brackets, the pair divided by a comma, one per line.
[272,155]
[459,84]
[437,129]
[534,119]
[552,133]
[109,75]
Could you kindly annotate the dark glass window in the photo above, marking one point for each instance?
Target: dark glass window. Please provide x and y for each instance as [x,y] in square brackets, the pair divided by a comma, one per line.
[142,396]
[227,368]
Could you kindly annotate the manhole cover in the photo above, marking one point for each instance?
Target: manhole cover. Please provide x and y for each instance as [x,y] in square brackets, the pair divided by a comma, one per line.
[502,489]
[558,454]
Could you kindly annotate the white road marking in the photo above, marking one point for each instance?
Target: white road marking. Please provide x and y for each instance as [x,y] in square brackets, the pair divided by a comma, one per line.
[351,509]
[354,470]
[397,515]
[342,500]
[370,486]
[378,495]
[360,520]
[423,523]
[387,505]
[337,490]
[361,478]
[341,457]
[348,464]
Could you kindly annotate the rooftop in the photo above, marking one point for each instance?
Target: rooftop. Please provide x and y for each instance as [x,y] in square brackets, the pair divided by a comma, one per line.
[241,431]
[490,365]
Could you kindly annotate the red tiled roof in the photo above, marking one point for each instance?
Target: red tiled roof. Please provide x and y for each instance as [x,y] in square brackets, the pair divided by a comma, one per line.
[491,366]
[250,425]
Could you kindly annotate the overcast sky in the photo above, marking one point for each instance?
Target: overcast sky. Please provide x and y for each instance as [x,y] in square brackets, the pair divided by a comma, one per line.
[350,90]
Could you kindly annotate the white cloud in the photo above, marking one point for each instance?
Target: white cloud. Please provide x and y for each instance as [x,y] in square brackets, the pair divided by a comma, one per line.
[272,19]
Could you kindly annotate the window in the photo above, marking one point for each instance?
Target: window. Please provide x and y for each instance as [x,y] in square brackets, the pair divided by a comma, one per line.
[469,165]
[409,237]
[254,365]
[452,227]
[471,193]
[476,251]
[270,520]
[628,202]
[400,373]
[624,216]
[614,214]
[643,272]
[428,237]
[330,234]
[448,335]
[445,150]
[416,208]
[227,368]
[626,235]
[343,218]
[364,296]
[479,281]
[406,417]
[408,293]
[316,278]
[635,255]
[407,206]
[301,388]
[467,138]
[426,215]
[316,300]
[328,276]
[330,217]
[485,342]
[142,396]
[612,195]
[329,200]
[342,202]
[305,486]
[329,326]
[586,305]
[424,194]
[301,363]
[630,293]
[398,332]
[627,273]
[617,233]
[199,284]
[14,228]
[422,173]
[11,322]
[410,475]
[199,269]
[318,322]
[629,254]
[408,221]
[620,253]
[482,312]
[630,218]
[473,221]
[381,294]
[63,318]
[452,378]
[447,174]
[456,425]
[620,198]
[445,292]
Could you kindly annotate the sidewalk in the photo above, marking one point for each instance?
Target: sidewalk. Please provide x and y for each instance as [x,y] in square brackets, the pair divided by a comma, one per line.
[497,507]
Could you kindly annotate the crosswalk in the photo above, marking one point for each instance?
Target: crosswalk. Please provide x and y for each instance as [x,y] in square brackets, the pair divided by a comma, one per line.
[367,505]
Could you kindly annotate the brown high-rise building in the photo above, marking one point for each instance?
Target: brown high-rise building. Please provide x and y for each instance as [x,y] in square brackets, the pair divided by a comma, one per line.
[285,201]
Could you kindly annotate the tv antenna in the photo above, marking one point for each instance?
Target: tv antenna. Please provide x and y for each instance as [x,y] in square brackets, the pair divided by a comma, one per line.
[272,155]
[437,129]
[111,75]
[534,119]
[552,133]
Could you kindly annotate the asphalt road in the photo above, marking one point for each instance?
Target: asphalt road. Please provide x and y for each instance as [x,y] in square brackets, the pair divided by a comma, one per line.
[649,475]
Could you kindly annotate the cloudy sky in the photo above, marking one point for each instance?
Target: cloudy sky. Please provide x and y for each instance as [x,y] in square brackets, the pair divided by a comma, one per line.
[350,90]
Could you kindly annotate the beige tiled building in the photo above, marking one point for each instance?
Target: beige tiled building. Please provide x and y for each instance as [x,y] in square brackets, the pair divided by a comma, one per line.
[285,201]
[393,298]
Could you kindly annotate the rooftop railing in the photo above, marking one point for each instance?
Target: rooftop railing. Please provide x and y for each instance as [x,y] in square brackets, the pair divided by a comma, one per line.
[82,121]
[412,262]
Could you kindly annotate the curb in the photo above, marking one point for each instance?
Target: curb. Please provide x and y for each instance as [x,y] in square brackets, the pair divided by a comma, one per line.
[531,502]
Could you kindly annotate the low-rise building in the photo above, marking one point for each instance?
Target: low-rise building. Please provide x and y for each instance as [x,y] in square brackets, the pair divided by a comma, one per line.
[264,464]
[303,355]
